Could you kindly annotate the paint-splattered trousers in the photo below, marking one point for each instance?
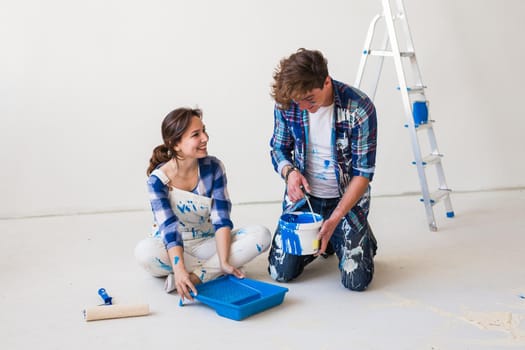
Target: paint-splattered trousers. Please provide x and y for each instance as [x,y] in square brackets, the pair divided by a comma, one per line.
[353,242]
[200,255]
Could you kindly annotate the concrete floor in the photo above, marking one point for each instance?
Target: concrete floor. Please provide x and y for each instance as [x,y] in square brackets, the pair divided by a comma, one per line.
[462,287]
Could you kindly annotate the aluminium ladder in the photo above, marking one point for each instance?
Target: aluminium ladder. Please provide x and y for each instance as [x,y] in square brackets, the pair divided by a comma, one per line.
[415,102]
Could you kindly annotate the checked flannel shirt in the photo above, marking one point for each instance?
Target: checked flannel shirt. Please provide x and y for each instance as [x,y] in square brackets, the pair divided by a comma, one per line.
[212,183]
[354,133]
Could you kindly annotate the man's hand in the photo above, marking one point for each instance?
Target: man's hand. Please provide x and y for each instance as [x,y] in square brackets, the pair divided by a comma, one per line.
[296,186]
[325,233]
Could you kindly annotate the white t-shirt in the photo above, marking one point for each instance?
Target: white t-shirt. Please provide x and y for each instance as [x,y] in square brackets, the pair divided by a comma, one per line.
[320,169]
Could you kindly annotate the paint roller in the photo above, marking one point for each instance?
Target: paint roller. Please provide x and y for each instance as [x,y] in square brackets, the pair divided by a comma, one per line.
[104,312]
[108,310]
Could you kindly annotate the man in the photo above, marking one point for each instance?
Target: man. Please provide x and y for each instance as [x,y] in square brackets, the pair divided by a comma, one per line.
[324,145]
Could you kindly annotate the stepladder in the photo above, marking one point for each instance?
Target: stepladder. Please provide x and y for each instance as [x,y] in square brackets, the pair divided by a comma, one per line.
[397,43]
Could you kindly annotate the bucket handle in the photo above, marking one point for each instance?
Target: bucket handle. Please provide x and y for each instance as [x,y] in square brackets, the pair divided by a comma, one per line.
[308,201]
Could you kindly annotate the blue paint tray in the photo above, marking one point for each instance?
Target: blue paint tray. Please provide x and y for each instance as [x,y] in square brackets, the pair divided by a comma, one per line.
[237,299]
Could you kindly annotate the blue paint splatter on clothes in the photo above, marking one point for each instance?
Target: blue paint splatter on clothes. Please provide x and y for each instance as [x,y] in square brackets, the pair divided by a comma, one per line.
[182,207]
[186,207]
[163,265]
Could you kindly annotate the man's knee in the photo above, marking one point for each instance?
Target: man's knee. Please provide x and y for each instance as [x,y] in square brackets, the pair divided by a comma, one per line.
[356,281]
[280,274]
[285,268]
[356,274]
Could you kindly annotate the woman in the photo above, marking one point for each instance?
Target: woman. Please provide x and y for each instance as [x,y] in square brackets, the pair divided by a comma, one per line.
[193,240]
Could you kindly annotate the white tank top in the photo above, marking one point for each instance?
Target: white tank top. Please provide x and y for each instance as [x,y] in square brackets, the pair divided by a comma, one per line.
[320,169]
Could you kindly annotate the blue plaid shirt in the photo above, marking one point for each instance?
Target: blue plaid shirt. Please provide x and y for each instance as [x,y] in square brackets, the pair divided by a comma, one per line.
[354,133]
[212,184]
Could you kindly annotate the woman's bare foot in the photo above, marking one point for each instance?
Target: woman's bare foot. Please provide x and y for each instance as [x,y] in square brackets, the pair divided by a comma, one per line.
[194,279]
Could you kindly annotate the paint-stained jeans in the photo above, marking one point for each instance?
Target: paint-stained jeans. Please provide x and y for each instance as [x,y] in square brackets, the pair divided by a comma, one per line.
[352,240]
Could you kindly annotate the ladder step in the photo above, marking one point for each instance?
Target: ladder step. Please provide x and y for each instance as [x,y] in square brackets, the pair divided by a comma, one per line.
[420,127]
[427,125]
[414,89]
[407,54]
[386,53]
[430,159]
[435,197]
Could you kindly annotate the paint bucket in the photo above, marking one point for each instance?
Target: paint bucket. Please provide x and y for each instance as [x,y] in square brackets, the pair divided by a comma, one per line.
[299,232]
[420,112]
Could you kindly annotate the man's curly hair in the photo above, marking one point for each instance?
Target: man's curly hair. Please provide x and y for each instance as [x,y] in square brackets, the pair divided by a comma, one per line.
[303,71]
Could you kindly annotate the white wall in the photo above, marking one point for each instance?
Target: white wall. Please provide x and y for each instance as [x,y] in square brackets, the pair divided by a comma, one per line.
[84,86]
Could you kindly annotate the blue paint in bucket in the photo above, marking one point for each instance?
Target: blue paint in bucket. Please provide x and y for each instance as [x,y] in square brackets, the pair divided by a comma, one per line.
[299,232]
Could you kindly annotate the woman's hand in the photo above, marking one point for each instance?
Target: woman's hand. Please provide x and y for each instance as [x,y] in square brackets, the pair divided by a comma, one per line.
[230,269]
[223,240]
[184,282]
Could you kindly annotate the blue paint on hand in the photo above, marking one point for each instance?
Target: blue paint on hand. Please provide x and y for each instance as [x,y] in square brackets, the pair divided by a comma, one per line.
[176,260]
[259,248]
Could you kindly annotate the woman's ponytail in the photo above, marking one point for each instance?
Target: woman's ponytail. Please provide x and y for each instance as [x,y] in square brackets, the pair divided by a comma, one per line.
[161,154]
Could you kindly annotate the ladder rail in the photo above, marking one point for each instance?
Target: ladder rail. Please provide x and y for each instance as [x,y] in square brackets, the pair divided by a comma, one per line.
[365,54]
[366,49]
[409,42]
[440,172]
